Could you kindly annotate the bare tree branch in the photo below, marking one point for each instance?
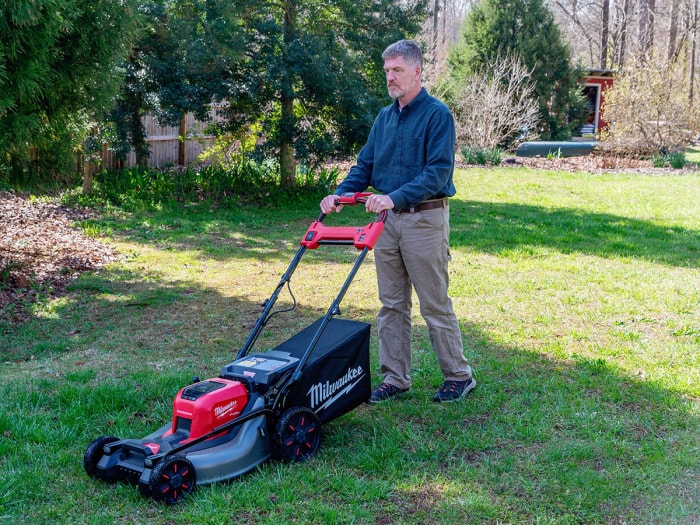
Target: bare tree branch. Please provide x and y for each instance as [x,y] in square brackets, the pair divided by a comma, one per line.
[496,105]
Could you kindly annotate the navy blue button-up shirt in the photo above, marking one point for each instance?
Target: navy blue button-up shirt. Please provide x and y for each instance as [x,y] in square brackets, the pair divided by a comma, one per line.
[409,154]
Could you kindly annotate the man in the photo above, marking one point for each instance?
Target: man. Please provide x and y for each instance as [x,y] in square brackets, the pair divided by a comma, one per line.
[409,160]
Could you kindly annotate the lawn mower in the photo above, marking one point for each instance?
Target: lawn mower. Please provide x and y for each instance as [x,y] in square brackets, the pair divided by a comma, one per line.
[263,405]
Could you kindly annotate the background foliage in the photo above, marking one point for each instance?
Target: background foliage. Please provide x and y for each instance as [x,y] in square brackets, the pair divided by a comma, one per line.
[307,73]
[56,76]
[526,31]
[300,81]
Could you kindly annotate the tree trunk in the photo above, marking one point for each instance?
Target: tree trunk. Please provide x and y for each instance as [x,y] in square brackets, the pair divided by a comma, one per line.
[182,141]
[693,51]
[287,96]
[622,49]
[288,166]
[647,13]
[673,32]
[436,19]
[604,34]
[87,179]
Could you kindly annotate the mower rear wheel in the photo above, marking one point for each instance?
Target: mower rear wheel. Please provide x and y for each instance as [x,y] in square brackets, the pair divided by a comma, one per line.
[172,479]
[92,456]
[297,434]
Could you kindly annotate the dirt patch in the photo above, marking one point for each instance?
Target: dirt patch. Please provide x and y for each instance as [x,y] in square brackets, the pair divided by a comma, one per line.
[41,251]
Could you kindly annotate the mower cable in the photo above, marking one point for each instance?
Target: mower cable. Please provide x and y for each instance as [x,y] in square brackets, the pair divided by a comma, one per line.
[294,305]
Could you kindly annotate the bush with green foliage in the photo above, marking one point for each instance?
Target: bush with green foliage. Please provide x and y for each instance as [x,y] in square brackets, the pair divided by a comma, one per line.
[482,156]
[525,30]
[57,75]
[247,181]
[658,161]
[676,160]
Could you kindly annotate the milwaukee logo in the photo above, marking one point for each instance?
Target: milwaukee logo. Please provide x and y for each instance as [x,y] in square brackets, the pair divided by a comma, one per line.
[323,395]
[225,410]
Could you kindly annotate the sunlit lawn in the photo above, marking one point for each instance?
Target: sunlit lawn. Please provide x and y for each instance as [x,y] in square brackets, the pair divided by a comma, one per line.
[579,298]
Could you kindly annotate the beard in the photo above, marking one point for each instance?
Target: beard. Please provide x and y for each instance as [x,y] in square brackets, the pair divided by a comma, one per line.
[398,91]
[395,92]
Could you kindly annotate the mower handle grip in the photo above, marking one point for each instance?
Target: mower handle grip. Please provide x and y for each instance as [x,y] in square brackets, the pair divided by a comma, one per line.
[353,199]
[350,199]
[362,237]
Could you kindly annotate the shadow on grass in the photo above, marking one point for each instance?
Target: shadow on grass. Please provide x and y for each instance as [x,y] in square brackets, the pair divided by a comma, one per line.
[226,233]
[498,228]
[541,440]
[133,313]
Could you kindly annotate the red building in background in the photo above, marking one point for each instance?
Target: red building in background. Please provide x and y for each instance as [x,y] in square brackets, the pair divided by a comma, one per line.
[594,85]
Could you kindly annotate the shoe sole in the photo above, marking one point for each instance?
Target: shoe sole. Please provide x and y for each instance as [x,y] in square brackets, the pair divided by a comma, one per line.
[471,386]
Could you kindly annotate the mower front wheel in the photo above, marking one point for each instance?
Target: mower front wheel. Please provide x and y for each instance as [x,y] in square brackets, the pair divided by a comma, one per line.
[297,434]
[92,456]
[172,479]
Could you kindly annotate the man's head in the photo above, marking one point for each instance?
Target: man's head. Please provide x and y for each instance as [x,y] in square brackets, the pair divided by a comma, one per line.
[403,64]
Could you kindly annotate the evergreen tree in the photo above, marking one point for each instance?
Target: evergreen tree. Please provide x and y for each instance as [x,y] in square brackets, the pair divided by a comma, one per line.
[307,74]
[524,29]
[57,61]
[320,62]
[182,63]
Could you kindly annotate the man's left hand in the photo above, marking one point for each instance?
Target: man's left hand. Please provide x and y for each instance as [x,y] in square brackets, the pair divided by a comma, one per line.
[379,203]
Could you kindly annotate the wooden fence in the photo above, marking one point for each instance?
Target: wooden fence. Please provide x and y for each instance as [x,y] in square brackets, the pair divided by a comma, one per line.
[169,146]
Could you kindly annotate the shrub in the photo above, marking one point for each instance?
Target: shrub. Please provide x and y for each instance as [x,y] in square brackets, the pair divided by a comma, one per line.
[482,156]
[676,160]
[246,181]
[552,155]
[649,111]
[495,105]
[658,161]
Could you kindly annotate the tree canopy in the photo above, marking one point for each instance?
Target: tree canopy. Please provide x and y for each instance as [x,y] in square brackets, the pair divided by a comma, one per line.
[524,29]
[308,74]
[56,60]
[182,62]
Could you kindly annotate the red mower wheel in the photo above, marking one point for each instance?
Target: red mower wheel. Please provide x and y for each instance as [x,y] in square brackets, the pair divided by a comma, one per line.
[297,434]
[173,478]
[93,454]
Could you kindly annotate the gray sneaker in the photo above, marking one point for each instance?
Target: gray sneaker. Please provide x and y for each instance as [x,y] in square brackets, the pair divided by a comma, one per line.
[384,392]
[453,390]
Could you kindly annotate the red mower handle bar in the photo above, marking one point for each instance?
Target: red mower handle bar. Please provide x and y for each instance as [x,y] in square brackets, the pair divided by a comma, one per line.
[360,236]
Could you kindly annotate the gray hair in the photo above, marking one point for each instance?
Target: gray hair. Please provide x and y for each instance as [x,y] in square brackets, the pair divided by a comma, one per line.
[408,49]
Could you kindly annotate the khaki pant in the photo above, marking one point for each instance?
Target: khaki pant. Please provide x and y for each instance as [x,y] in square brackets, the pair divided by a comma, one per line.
[413,251]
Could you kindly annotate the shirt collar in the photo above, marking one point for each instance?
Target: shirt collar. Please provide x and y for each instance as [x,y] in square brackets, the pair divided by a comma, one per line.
[422,95]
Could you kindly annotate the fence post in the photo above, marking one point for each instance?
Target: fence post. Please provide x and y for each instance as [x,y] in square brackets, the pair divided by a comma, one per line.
[182,142]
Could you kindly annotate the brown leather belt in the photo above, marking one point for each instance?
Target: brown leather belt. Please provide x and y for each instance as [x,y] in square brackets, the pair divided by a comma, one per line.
[427,205]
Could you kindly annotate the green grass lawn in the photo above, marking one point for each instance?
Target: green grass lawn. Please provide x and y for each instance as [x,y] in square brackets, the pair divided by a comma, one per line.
[693,154]
[579,298]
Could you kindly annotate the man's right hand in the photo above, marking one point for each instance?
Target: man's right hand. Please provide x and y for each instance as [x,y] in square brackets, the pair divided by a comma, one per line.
[328,204]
